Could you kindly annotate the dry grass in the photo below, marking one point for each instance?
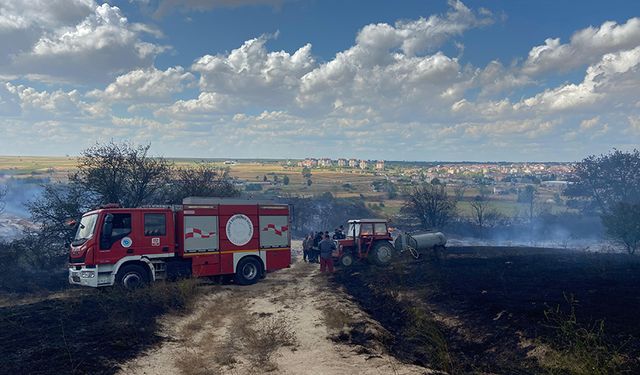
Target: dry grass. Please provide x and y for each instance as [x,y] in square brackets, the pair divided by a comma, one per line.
[577,348]
[259,342]
[223,338]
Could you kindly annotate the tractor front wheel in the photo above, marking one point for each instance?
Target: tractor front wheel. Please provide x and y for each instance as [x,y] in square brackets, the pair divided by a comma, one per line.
[346,260]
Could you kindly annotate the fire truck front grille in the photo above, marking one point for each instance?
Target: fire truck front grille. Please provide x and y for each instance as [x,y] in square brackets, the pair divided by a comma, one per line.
[76,260]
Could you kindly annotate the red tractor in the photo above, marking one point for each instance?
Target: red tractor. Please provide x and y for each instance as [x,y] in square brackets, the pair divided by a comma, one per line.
[365,239]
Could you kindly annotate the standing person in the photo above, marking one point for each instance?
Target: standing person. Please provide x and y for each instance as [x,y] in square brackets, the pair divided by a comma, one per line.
[315,252]
[307,244]
[342,234]
[326,250]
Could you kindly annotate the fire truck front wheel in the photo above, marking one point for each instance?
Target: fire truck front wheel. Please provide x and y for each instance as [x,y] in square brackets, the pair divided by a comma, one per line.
[132,276]
[248,271]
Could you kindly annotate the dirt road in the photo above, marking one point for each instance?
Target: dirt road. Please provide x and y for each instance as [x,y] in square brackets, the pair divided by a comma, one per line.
[289,323]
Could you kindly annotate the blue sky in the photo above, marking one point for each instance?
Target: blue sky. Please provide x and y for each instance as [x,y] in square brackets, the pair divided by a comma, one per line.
[408,80]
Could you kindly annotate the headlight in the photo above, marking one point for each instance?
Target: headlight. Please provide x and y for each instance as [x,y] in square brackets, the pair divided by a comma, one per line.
[87,274]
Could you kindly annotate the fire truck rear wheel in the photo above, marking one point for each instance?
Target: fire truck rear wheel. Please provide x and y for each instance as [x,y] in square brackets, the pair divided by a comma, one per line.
[132,276]
[248,271]
[381,254]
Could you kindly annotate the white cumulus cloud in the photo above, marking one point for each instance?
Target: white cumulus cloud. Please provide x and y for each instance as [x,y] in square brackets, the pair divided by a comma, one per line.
[148,84]
[78,41]
[586,46]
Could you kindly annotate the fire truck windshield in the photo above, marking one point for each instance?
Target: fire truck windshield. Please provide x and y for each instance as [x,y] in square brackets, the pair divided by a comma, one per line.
[85,229]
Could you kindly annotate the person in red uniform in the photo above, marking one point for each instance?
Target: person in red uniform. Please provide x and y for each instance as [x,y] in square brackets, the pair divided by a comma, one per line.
[326,246]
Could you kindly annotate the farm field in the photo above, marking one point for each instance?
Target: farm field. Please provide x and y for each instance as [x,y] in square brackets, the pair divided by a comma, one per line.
[341,183]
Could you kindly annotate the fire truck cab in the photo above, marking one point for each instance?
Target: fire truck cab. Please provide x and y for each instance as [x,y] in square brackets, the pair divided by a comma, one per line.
[202,237]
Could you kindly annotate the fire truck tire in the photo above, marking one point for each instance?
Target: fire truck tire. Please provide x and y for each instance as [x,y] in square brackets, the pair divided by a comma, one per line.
[346,260]
[132,276]
[248,271]
[381,254]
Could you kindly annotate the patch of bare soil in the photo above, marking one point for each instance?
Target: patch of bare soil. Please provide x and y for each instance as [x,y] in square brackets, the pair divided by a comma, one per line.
[292,322]
[507,310]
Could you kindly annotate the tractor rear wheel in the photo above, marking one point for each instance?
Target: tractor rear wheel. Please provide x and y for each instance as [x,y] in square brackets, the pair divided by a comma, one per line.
[381,254]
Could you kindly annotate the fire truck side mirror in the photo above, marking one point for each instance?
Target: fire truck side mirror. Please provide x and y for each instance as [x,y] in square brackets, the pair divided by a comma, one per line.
[105,234]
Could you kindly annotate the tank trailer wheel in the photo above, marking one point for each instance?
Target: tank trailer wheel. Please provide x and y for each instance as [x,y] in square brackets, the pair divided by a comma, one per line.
[381,254]
[132,276]
[346,260]
[439,252]
[248,271]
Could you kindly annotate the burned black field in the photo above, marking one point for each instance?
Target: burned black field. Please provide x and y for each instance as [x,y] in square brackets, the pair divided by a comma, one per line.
[508,310]
[88,331]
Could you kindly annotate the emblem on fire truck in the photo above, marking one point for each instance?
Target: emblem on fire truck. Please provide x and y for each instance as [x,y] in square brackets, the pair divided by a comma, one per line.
[126,242]
[239,229]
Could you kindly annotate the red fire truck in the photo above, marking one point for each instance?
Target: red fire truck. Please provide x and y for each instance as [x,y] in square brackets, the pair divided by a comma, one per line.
[202,237]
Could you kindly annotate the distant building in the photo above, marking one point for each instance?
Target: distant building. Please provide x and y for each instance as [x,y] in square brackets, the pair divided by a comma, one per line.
[353,163]
[342,162]
[310,163]
[380,165]
[325,162]
[363,164]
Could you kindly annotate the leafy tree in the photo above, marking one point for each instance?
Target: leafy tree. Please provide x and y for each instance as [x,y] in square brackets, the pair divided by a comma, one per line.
[612,182]
[431,205]
[608,179]
[51,211]
[622,224]
[285,180]
[435,181]
[528,196]
[201,180]
[309,182]
[122,173]
[265,179]
[480,206]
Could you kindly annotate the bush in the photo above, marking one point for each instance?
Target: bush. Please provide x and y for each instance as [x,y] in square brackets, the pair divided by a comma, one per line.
[576,348]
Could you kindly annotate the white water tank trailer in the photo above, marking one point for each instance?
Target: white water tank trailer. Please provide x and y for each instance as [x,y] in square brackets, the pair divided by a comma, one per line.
[420,243]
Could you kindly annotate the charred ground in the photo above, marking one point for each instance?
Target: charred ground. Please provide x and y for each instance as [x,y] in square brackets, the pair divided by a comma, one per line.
[86,331]
[504,310]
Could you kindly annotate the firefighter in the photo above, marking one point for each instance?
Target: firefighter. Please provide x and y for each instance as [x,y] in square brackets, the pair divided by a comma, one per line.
[326,246]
